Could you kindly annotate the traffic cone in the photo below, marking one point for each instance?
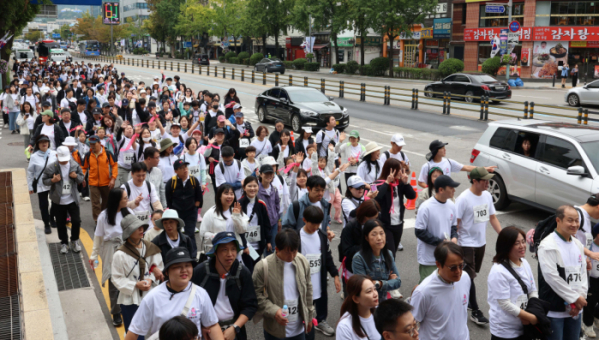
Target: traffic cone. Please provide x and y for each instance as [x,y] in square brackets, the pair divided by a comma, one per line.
[411,204]
[292,138]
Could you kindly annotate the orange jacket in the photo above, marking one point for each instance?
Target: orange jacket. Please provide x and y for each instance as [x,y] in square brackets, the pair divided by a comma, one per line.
[100,168]
[76,157]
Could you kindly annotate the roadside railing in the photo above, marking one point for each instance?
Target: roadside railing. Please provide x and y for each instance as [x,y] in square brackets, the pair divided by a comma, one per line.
[483,105]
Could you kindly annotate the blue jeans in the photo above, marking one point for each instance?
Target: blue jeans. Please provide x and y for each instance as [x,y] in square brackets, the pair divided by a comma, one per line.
[12,120]
[301,336]
[127,312]
[565,328]
[273,233]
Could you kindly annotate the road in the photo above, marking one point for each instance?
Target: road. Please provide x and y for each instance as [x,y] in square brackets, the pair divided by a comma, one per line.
[375,123]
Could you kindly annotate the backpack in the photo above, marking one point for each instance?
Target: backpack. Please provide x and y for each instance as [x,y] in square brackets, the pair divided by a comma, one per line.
[191,180]
[546,227]
[222,166]
[128,188]
[234,277]
[389,155]
[296,209]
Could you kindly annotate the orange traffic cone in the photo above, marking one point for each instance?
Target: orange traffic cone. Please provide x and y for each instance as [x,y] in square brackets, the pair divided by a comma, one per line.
[411,204]
[292,138]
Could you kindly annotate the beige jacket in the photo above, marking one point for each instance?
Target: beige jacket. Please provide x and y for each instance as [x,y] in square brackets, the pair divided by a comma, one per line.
[271,298]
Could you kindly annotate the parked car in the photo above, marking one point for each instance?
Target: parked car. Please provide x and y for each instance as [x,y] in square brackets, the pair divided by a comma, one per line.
[270,65]
[560,166]
[472,85]
[584,95]
[299,106]
[201,59]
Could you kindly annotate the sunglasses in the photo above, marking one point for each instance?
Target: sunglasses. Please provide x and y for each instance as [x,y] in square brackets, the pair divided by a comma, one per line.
[460,266]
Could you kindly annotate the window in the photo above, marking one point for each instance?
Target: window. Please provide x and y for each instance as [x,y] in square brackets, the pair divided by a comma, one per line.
[283,95]
[504,139]
[274,93]
[526,144]
[575,13]
[464,14]
[462,79]
[501,19]
[594,85]
[592,151]
[560,153]
[450,78]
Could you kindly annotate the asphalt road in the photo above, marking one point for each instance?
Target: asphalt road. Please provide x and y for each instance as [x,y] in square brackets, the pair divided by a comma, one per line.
[375,123]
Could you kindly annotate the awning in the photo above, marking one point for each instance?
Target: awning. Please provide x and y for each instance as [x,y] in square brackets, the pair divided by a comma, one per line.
[318,47]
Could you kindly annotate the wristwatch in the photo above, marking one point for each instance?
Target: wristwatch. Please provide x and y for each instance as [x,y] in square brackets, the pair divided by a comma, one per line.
[377,285]
[237,329]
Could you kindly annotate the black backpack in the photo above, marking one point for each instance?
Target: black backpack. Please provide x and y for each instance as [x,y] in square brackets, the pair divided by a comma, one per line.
[546,227]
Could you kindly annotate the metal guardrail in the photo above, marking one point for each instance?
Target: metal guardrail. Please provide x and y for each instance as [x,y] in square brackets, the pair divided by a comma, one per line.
[362,90]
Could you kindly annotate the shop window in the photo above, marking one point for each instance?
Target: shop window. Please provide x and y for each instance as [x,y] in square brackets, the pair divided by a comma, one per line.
[501,19]
[574,13]
[464,14]
[484,52]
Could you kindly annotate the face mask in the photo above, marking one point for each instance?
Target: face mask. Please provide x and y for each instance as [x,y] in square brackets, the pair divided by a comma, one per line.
[146,139]
[215,107]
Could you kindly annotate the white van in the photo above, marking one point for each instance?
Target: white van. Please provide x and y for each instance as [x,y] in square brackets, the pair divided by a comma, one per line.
[57,55]
[23,55]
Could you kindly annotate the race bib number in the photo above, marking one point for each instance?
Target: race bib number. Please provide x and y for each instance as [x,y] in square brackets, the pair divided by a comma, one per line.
[315,263]
[143,216]
[244,142]
[293,310]
[595,269]
[521,301]
[66,188]
[589,240]
[253,234]
[574,276]
[194,171]
[481,213]
[128,159]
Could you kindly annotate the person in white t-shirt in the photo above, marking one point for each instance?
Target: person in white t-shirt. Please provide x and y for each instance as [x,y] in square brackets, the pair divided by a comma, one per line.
[587,213]
[588,314]
[360,302]
[436,221]
[507,298]
[397,143]
[394,320]
[326,136]
[440,301]
[143,195]
[474,209]
[69,98]
[176,296]
[562,275]
[436,158]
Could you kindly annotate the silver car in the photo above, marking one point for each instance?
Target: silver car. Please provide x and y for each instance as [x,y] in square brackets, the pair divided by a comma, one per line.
[583,95]
[542,164]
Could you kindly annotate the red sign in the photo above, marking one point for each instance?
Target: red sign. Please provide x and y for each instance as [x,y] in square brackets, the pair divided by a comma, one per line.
[566,33]
[525,57]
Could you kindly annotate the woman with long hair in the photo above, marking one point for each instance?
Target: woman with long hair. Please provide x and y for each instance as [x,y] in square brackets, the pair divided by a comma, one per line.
[144,140]
[107,238]
[375,260]
[197,165]
[225,215]
[41,157]
[12,102]
[371,165]
[357,320]
[25,120]
[305,139]
[231,97]
[391,193]
[51,130]
[507,298]
[258,230]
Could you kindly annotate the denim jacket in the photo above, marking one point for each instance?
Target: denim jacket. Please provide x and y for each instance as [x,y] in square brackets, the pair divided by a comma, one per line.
[377,271]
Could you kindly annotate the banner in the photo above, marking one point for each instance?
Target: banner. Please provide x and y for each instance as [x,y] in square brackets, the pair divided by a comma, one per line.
[547,57]
[503,41]
[566,33]
[309,44]
[442,28]
[525,57]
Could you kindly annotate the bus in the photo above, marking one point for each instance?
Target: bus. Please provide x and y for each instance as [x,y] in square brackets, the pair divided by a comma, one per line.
[44,48]
[89,47]
[64,45]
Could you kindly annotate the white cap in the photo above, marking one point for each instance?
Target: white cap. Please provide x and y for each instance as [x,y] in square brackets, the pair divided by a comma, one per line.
[269,160]
[355,181]
[63,154]
[155,83]
[69,141]
[398,139]
[307,129]
[156,77]
[142,91]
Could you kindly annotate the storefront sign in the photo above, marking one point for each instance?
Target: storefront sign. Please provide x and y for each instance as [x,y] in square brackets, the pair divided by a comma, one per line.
[525,57]
[486,34]
[495,8]
[596,73]
[587,44]
[441,8]
[407,36]
[442,28]
[431,43]
[426,33]
[344,42]
[547,58]
[369,41]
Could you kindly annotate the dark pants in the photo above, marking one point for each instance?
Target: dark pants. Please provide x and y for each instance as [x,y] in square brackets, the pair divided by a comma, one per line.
[574,80]
[44,206]
[113,293]
[591,310]
[128,311]
[274,230]
[393,235]
[190,217]
[99,197]
[564,328]
[83,190]
[301,336]
[473,257]
[5,117]
[62,212]
[213,178]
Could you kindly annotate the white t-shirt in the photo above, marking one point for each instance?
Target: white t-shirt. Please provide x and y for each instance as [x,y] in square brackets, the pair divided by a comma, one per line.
[372,175]
[144,209]
[474,213]
[233,173]
[295,325]
[82,117]
[312,252]
[442,308]
[253,234]
[222,307]
[447,165]
[66,198]
[503,285]
[49,131]
[325,136]
[262,147]
[160,305]
[437,218]
[231,228]
[594,272]
[585,237]
[64,103]
[177,140]
[349,205]
[165,164]
[196,164]
[31,99]
[345,330]
[108,231]
[573,261]
[396,156]
[395,209]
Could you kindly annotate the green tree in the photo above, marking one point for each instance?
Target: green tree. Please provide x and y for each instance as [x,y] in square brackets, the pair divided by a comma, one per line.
[34,36]
[194,19]
[271,18]
[360,15]
[252,21]
[15,16]
[164,15]
[226,18]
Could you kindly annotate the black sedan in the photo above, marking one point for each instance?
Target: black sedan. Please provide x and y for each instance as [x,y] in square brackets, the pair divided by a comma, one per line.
[471,85]
[270,65]
[299,106]
[201,59]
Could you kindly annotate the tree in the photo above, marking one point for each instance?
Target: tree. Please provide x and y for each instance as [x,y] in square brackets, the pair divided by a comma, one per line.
[226,18]
[269,17]
[154,27]
[194,19]
[394,17]
[34,36]
[360,15]
[15,16]
[253,22]
[166,16]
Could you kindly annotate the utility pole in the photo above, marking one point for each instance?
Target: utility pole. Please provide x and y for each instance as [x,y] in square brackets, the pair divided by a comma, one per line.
[310,34]
[509,21]
[111,42]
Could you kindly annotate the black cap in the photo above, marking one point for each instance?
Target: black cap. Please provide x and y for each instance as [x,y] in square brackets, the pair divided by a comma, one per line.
[97,111]
[444,181]
[434,148]
[266,168]
[152,104]
[48,104]
[125,102]
[105,105]
[93,139]
[179,163]
[176,255]
[219,130]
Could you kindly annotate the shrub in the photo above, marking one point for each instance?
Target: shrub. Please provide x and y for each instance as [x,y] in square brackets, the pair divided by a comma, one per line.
[351,67]
[366,70]
[230,55]
[339,68]
[311,66]
[451,66]
[288,64]
[178,55]
[233,60]
[492,65]
[379,66]
[310,56]
[221,58]
[243,55]
[140,50]
[255,58]
[299,63]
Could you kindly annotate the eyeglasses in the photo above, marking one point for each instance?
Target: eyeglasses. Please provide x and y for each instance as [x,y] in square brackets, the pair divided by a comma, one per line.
[415,328]
[460,266]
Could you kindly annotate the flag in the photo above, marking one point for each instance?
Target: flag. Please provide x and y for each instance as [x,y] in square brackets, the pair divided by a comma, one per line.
[494,46]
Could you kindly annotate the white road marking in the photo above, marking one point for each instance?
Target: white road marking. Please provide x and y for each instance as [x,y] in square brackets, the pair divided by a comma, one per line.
[463,128]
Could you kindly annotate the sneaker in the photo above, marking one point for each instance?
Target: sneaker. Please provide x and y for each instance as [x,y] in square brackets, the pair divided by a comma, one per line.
[47,230]
[324,328]
[75,246]
[117,320]
[341,295]
[86,198]
[478,318]
[197,230]
[400,247]
[64,249]
[588,331]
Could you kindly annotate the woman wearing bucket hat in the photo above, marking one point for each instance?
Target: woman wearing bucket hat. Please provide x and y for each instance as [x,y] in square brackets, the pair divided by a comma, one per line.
[371,166]
[176,296]
[229,285]
[171,237]
[133,267]
[167,159]
[41,157]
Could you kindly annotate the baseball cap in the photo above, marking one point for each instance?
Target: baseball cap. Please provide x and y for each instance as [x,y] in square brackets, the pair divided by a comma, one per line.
[355,182]
[480,173]
[223,237]
[237,106]
[179,163]
[307,129]
[175,124]
[46,104]
[444,181]
[239,114]
[266,168]
[48,113]
[176,255]
[434,148]
[93,139]
[354,133]
[105,105]
[25,82]
[219,130]
[97,111]
[398,139]
[221,118]
[63,154]
[142,91]
[270,160]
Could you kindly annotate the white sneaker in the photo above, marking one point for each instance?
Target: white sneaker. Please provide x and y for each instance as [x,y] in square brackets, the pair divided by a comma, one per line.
[588,331]
[596,322]
[325,329]
[64,249]
[400,247]
[197,230]
[86,199]
[75,246]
